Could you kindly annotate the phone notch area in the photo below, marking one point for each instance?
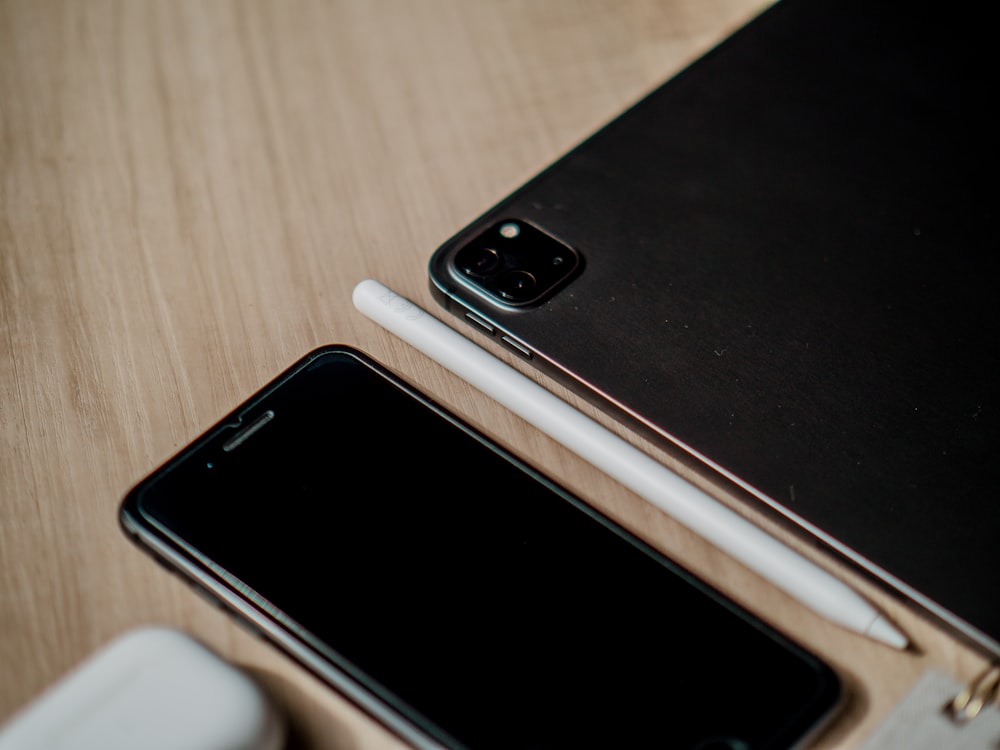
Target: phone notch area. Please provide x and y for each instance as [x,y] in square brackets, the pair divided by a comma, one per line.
[247,432]
[516,263]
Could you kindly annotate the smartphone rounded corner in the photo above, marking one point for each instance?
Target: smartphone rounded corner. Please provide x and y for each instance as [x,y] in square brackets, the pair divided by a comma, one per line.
[127,515]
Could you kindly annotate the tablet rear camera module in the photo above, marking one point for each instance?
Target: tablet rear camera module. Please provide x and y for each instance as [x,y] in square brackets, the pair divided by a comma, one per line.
[516,263]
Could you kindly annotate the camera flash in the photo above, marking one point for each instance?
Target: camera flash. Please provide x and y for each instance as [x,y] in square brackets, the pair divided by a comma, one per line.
[510,230]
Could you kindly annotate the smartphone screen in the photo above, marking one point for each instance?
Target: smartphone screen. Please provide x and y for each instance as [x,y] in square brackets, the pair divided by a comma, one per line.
[453,591]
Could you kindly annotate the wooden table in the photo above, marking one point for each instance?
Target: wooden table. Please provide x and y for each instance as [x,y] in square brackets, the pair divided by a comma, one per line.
[189,191]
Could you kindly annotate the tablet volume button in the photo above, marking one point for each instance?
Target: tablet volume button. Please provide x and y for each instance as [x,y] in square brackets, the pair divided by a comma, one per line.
[480,323]
[516,346]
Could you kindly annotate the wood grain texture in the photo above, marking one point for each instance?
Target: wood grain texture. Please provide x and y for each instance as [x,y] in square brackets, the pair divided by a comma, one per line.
[190,190]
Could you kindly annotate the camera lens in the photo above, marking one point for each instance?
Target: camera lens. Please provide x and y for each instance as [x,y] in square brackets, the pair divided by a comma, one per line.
[478,261]
[516,286]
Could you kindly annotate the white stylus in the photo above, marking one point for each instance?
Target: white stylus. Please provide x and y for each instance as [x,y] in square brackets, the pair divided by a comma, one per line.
[751,545]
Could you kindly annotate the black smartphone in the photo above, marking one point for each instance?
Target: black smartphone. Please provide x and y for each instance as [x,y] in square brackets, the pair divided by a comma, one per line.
[451,590]
[780,264]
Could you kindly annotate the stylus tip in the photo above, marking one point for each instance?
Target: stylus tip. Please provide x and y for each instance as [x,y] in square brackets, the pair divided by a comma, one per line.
[882,630]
